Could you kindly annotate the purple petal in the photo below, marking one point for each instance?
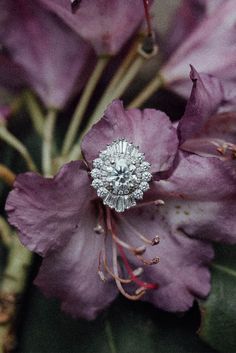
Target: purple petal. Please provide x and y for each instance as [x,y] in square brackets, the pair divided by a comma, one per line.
[48,212]
[11,75]
[217,138]
[56,61]
[185,19]
[206,96]
[182,274]
[106,24]
[150,129]
[210,48]
[72,273]
[200,199]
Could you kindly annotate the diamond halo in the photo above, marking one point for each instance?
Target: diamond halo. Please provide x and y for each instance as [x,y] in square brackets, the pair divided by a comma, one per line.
[121,175]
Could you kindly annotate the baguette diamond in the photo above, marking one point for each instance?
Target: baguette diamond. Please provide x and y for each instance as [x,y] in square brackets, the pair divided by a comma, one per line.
[121,175]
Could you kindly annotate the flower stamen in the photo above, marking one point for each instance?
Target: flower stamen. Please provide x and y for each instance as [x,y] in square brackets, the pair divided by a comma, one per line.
[133,274]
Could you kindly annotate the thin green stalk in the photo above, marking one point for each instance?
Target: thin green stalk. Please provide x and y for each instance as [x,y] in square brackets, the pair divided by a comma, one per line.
[35,112]
[147,92]
[5,232]
[119,74]
[48,133]
[10,139]
[12,287]
[83,104]
[117,91]
[110,337]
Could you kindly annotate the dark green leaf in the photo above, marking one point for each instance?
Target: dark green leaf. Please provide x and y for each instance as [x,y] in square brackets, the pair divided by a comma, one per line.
[125,328]
[218,326]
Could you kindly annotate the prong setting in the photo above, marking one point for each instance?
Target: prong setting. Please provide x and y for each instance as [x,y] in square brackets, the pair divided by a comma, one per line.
[121,175]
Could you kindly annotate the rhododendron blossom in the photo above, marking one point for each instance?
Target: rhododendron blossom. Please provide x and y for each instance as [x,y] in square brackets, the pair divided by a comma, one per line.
[94,248]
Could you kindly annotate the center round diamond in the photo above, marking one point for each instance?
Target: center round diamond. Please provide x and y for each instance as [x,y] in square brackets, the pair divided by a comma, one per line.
[120,175]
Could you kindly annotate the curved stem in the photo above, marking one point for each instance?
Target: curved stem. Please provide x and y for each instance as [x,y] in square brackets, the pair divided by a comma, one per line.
[5,233]
[11,289]
[118,76]
[11,140]
[7,175]
[117,91]
[35,112]
[147,92]
[48,130]
[83,103]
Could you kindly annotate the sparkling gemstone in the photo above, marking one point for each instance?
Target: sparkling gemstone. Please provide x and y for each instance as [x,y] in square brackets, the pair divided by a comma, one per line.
[121,175]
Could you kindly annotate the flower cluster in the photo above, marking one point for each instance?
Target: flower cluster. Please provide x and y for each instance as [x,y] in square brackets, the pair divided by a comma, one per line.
[138,213]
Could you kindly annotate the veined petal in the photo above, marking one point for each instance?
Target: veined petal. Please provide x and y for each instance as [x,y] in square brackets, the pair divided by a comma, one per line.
[71,274]
[182,273]
[47,212]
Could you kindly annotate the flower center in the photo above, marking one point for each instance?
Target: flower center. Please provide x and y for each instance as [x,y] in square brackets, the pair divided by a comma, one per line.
[121,175]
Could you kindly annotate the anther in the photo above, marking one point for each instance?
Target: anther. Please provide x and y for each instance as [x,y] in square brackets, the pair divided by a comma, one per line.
[155,240]
[138,272]
[159,203]
[99,229]
[102,276]
[153,261]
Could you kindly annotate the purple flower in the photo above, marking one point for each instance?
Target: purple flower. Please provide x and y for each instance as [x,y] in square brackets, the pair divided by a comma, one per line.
[106,24]
[53,58]
[210,46]
[89,249]
[213,132]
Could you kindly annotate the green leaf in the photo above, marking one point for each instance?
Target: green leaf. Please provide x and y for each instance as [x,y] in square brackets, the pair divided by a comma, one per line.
[218,327]
[125,328]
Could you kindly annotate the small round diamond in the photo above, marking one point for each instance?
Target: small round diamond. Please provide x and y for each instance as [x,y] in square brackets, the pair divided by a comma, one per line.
[97,163]
[145,166]
[144,186]
[138,194]
[120,175]
[146,176]
[95,173]
[97,183]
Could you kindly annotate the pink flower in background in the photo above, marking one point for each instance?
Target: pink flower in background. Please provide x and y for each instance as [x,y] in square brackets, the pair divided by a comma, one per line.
[55,61]
[106,25]
[206,40]
[88,247]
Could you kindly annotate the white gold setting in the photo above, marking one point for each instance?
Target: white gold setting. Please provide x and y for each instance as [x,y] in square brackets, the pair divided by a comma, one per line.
[121,175]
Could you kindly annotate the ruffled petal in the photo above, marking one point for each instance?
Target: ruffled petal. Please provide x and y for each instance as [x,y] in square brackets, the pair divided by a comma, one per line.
[182,273]
[150,129]
[47,212]
[71,274]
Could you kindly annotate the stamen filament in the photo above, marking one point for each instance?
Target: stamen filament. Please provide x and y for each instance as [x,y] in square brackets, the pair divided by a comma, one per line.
[118,283]
[136,232]
[131,273]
